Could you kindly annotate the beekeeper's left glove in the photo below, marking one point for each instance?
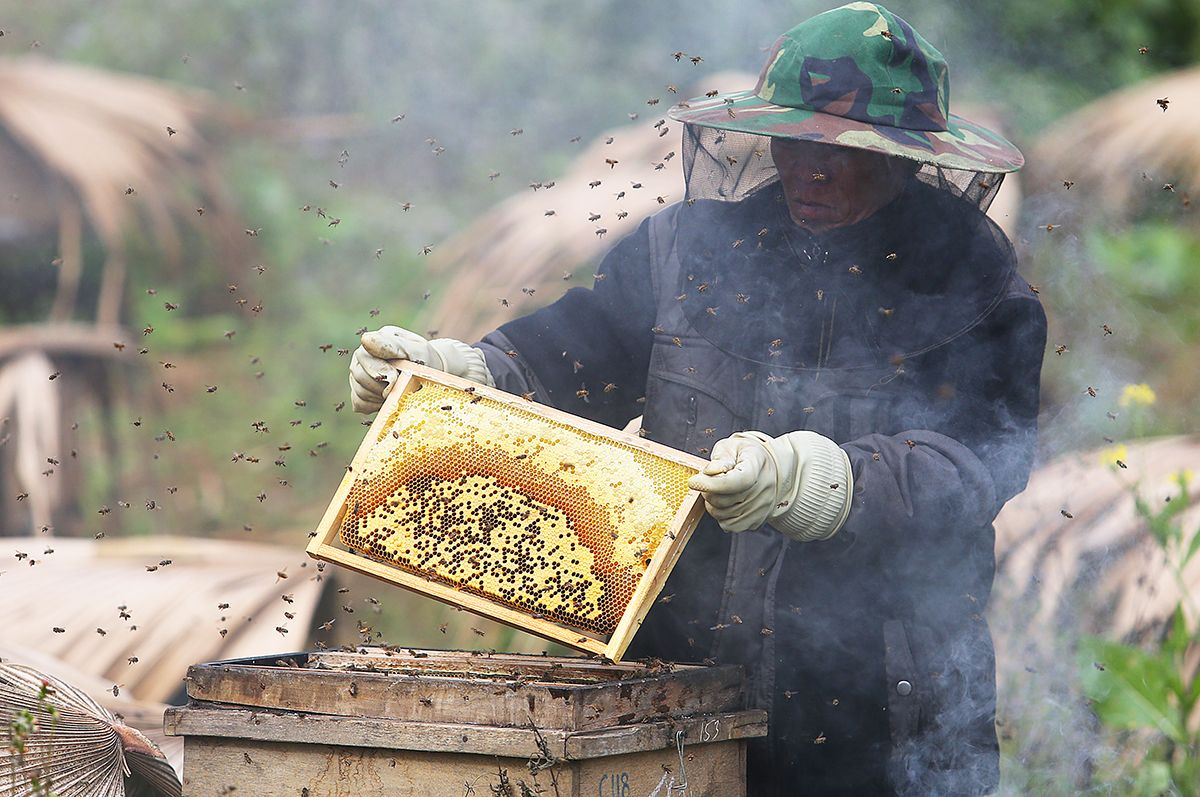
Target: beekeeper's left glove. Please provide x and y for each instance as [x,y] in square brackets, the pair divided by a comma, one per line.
[800,483]
[372,372]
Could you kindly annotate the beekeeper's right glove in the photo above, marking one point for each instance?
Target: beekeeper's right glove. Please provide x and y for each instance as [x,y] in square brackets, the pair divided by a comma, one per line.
[372,374]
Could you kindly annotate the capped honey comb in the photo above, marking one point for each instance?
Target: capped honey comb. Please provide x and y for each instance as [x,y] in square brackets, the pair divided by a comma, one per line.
[528,508]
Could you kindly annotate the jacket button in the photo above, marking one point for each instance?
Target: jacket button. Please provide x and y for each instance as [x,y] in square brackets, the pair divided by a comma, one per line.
[904,688]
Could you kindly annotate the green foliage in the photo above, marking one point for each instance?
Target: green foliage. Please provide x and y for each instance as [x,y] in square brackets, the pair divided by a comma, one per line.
[24,725]
[1153,695]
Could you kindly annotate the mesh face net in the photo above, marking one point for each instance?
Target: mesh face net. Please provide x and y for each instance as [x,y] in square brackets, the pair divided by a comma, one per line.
[729,166]
[913,276]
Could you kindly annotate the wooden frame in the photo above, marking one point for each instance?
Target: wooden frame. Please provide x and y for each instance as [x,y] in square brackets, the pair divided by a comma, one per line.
[322,545]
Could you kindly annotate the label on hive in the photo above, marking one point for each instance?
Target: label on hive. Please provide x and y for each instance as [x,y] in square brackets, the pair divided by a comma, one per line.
[504,503]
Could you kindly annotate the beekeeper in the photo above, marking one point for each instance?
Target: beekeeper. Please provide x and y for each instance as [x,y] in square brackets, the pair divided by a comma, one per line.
[832,319]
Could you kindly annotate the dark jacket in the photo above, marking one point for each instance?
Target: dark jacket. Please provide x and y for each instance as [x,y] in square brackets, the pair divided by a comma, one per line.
[908,339]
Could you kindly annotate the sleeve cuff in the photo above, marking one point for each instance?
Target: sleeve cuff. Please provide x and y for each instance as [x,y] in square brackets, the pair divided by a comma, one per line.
[821,501]
[463,360]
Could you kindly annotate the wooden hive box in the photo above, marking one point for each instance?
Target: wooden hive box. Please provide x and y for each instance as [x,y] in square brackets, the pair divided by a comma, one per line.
[542,520]
[448,723]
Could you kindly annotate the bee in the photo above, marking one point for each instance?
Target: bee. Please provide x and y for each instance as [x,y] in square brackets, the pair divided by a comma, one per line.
[887,312]
[1107,329]
[582,393]
[855,270]
[621,214]
[528,396]
[1068,183]
[910,443]
[1066,514]
[1163,103]
[1060,349]
[601,232]
[594,183]
[1091,391]
[1049,227]
[426,249]
[477,631]
[711,310]
[610,387]
[770,411]
[738,242]
[1143,50]
[818,177]
[677,342]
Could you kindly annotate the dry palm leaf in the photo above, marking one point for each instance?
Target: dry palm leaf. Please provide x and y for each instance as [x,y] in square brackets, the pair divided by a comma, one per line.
[61,741]
[130,151]
[1134,141]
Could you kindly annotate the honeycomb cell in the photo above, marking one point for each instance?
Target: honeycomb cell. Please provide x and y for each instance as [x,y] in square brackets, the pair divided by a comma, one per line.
[494,500]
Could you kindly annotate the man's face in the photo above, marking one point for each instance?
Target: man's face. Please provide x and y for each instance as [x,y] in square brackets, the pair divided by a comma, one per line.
[829,187]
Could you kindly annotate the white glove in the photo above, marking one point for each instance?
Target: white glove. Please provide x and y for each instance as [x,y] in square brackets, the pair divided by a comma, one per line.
[800,483]
[372,374]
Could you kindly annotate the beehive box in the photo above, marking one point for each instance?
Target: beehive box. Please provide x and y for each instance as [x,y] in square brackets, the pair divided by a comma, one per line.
[372,723]
[539,519]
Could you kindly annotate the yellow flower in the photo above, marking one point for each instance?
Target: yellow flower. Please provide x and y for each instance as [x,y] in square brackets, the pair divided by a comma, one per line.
[1137,394]
[1115,456]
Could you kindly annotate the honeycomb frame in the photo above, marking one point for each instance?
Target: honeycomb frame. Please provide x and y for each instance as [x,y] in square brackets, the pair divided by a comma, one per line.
[609,639]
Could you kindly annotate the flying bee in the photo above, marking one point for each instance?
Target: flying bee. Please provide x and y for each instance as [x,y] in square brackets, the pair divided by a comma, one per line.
[1091,391]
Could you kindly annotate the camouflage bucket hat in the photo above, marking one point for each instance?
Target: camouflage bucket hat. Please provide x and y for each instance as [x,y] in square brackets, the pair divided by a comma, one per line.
[858,76]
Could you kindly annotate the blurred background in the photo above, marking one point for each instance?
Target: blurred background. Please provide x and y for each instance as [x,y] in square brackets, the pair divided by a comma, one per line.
[203,204]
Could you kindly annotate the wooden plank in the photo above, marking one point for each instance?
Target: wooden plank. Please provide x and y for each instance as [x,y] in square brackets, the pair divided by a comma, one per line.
[545,669]
[214,767]
[709,770]
[65,338]
[230,768]
[201,719]
[323,547]
[703,729]
[511,703]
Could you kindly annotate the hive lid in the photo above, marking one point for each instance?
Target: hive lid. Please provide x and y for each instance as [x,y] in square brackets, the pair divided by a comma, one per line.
[545,521]
[497,690]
